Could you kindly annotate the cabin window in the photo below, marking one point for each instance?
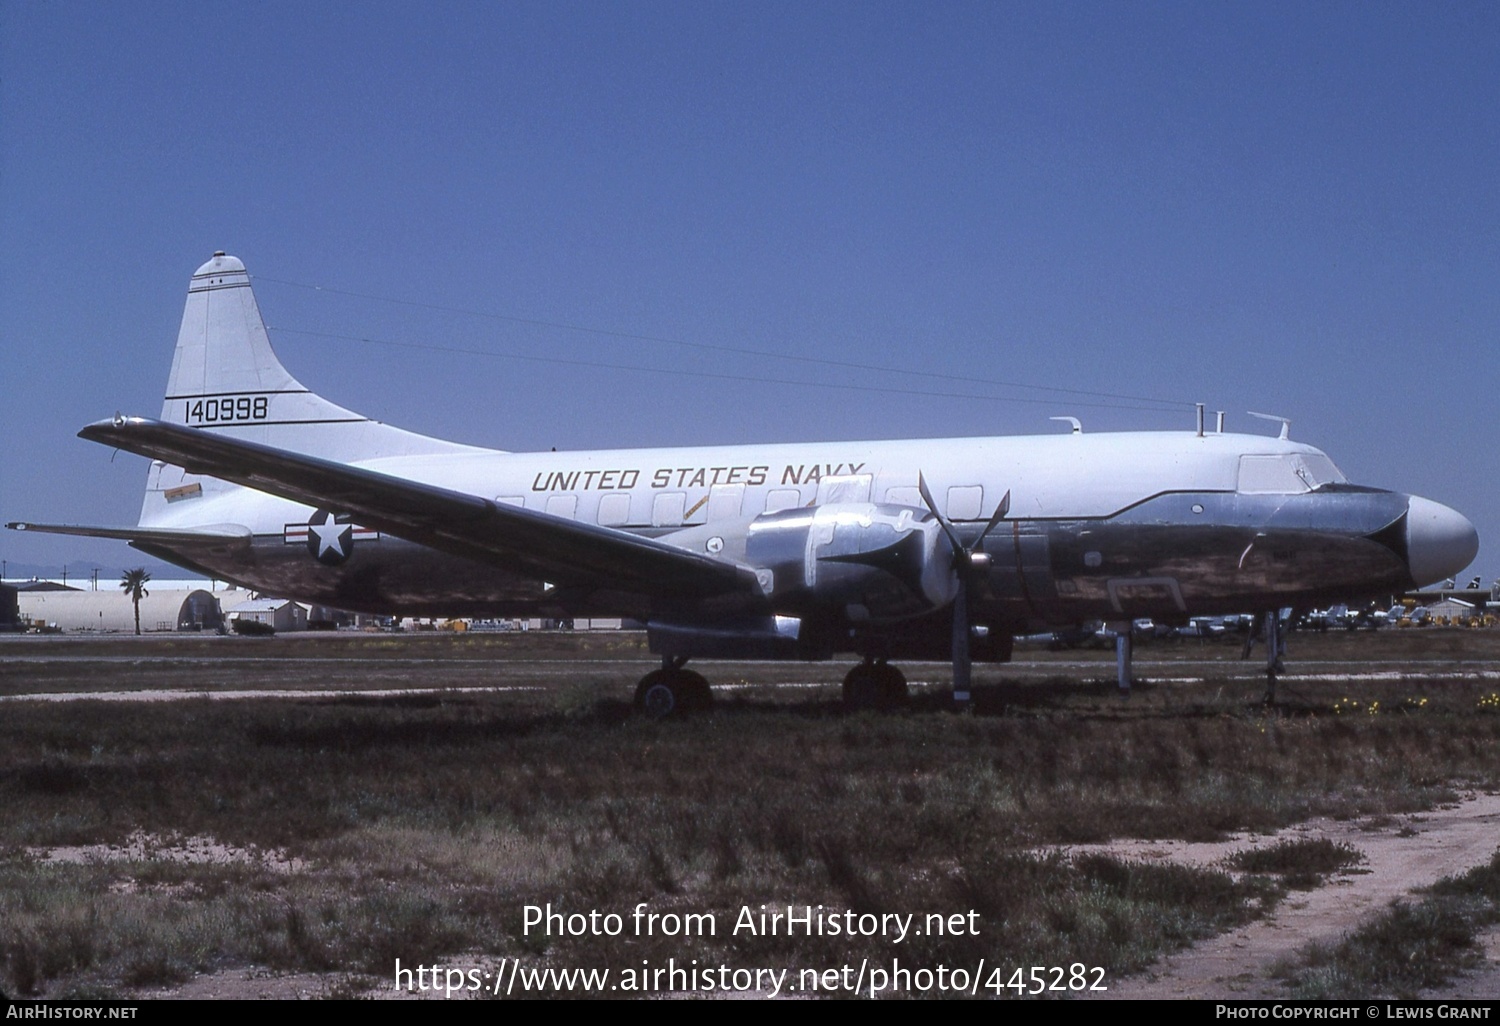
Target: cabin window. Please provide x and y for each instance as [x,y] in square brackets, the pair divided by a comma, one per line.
[844,488]
[778,499]
[667,509]
[724,502]
[905,495]
[562,505]
[965,502]
[511,500]
[614,509]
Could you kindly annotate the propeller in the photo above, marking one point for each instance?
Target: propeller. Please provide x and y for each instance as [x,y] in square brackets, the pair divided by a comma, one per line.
[968,566]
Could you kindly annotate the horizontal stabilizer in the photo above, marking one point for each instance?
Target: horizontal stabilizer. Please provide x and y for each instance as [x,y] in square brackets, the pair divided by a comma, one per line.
[222,535]
[528,542]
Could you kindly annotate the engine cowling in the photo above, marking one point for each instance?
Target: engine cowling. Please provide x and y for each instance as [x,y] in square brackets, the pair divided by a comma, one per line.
[854,562]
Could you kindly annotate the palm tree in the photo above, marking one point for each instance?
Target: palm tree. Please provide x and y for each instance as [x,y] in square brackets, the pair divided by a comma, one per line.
[133,583]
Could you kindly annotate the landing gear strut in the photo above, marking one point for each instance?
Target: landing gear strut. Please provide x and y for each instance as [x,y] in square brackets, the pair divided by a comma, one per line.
[874,684]
[1275,650]
[671,691]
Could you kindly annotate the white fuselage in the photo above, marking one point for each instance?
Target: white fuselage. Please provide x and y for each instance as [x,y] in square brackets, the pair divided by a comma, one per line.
[1049,477]
[1106,525]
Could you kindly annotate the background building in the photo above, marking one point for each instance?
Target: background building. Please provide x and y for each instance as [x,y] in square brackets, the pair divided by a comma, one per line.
[164,609]
[278,614]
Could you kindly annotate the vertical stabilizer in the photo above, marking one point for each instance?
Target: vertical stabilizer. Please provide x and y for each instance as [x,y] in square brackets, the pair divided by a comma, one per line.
[223,352]
[226,378]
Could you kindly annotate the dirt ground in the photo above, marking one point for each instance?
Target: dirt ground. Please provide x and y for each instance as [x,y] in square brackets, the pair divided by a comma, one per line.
[1402,855]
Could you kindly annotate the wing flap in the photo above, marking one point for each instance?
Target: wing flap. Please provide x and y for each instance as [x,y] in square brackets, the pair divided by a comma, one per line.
[528,542]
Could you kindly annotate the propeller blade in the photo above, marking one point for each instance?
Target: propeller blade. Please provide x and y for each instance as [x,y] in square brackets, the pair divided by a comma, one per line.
[958,548]
[999,515]
[964,566]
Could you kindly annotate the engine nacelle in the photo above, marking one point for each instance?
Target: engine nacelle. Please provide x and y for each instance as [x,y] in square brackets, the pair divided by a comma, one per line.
[854,562]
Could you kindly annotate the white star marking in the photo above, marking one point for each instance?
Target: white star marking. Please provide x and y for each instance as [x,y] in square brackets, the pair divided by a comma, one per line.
[328,535]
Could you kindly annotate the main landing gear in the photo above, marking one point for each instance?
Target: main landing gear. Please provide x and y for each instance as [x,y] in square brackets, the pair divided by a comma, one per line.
[874,684]
[672,690]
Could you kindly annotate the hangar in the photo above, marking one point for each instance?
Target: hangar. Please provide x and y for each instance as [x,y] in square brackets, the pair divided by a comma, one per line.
[161,610]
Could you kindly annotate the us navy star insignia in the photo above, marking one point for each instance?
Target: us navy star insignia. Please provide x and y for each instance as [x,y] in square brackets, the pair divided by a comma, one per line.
[330,537]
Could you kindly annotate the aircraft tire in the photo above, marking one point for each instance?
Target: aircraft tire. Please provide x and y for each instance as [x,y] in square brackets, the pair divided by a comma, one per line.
[876,686]
[665,693]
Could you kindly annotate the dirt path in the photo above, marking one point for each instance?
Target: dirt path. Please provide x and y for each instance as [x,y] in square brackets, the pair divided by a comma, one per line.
[1402,854]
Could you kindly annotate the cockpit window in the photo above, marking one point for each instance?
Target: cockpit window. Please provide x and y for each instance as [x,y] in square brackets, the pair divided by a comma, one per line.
[1319,470]
[1289,474]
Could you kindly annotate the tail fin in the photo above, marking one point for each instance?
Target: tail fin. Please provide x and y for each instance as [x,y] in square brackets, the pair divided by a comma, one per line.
[225,377]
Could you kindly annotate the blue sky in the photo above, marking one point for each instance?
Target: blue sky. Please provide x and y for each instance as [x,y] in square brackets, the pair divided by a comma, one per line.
[1283,207]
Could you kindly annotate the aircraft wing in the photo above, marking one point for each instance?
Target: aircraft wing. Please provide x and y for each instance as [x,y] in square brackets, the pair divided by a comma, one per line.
[528,542]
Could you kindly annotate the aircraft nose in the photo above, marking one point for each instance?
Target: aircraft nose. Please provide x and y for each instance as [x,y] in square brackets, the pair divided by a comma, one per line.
[1439,541]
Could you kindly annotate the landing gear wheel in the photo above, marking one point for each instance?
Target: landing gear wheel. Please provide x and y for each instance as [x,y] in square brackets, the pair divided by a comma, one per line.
[860,688]
[878,686]
[664,693]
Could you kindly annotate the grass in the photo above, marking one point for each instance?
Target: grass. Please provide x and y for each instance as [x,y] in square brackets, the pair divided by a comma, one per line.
[1302,863]
[1411,947]
[424,825]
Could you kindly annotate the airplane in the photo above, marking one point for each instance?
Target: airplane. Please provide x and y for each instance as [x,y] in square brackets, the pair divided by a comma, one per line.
[887,550]
[1472,593]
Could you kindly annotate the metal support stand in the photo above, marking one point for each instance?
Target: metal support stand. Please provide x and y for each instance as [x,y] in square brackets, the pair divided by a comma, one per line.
[1124,649]
[1275,649]
[962,672]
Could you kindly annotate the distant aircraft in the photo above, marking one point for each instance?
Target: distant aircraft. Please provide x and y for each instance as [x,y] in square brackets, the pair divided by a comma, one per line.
[903,549]
[1472,592]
